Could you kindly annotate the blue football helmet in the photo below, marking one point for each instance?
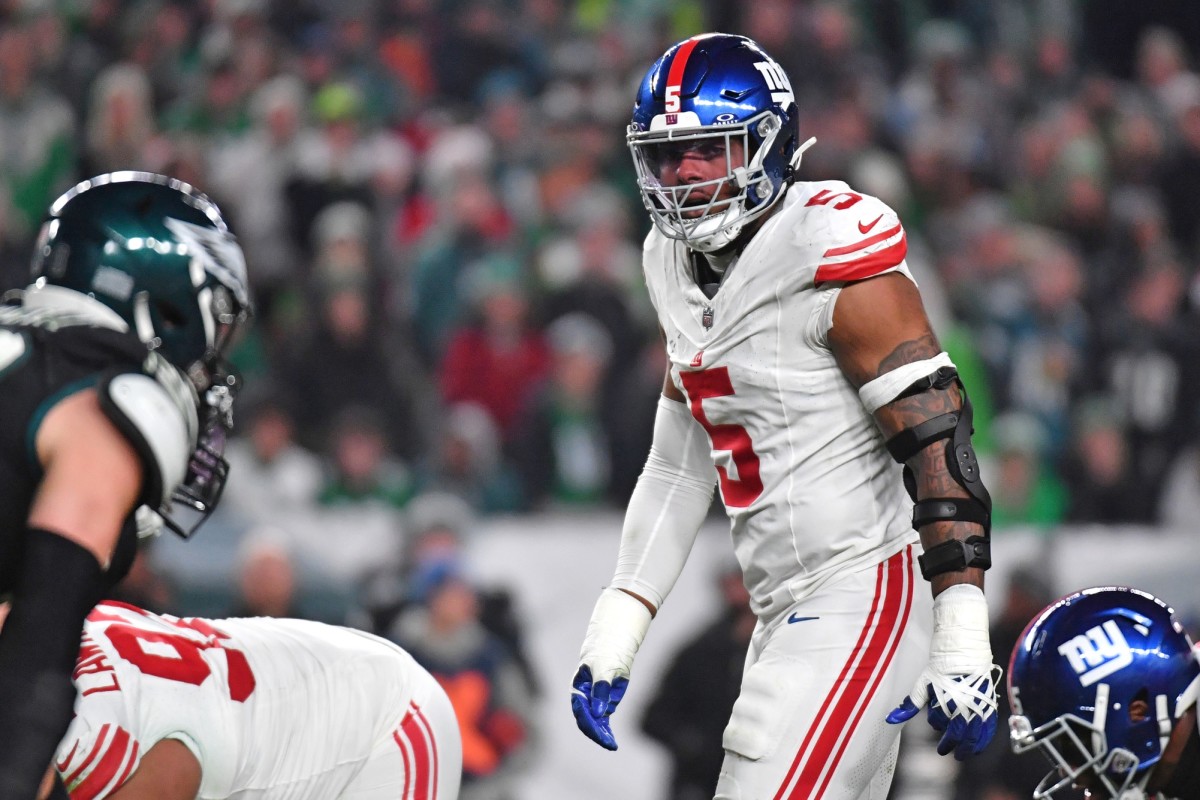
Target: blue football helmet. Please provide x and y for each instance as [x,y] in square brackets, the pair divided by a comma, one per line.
[1074,674]
[704,94]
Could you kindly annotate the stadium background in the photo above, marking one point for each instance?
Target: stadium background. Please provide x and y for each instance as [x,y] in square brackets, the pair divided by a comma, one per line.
[443,234]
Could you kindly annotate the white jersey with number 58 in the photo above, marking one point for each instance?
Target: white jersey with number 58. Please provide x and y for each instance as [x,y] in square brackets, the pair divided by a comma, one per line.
[271,708]
[804,476]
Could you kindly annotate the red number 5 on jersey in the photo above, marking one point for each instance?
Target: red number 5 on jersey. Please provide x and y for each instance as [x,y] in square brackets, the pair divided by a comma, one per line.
[706,384]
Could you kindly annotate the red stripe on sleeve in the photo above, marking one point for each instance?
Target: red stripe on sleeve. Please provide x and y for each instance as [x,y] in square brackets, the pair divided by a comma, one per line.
[66,762]
[864,244]
[866,266]
[96,750]
[679,64]
[128,767]
[106,768]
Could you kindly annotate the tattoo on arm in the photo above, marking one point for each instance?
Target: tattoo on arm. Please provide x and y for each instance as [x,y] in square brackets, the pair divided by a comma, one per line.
[929,466]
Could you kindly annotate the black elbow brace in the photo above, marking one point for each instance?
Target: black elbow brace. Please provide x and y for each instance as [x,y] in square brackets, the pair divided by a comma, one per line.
[955,427]
[58,583]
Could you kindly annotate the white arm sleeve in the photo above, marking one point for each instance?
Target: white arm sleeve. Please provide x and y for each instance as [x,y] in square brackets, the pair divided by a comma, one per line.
[668,505]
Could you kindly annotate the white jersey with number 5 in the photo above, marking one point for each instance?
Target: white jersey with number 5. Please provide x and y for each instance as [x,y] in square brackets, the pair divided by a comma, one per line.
[808,486]
[271,708]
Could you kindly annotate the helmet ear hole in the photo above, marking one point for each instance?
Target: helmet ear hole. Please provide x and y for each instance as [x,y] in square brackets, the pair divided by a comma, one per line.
[170,315]
[1139,706]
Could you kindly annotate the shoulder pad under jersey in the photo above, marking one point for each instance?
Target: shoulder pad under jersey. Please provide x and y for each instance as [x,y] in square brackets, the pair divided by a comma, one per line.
[158,416]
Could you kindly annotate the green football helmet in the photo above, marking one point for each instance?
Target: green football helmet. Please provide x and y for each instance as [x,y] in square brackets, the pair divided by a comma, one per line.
[158,253]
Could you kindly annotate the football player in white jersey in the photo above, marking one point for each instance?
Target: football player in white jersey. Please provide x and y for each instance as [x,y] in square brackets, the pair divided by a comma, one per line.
[802,366]
[175,709]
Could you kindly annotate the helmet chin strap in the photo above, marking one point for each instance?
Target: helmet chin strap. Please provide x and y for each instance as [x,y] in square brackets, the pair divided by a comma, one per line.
[799,154]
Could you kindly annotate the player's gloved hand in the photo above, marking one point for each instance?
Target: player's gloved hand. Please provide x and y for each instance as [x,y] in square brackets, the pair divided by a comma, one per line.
[618,625]
[959,683]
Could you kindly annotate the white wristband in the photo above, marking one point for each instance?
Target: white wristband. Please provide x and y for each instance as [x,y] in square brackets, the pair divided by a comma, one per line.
[618,626]
[961,644]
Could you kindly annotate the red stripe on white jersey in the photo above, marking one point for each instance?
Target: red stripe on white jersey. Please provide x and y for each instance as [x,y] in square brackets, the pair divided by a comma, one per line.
[128,767]
[864,267]
[900,572]
[66,762]
[862,245]
[867,660]
[97,749]
[106,768]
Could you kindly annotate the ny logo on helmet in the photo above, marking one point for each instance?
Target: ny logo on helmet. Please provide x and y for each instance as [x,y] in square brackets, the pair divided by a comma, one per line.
[777,82]
[1098,653]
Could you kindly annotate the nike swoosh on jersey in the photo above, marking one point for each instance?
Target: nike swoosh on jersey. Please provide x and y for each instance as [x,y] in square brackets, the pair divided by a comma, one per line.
[864,228]
[794,619]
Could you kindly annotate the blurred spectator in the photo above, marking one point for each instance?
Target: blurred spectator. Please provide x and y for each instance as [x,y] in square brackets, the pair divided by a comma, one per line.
[250,173]
[120,124]
[266,578]
[333,162]
[1181,179]
[443,632]
[360,468]
[497,360]
[1148,358]
[1179,508]
[438,525]
[1097,470]
[565,454]
[351,355]
[1024,488]
[708,666]
[471,225]
[596,271]
[36,134]
[467,461]
[274,473]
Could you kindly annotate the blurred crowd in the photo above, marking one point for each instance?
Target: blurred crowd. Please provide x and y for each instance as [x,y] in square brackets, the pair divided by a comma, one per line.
[443,232]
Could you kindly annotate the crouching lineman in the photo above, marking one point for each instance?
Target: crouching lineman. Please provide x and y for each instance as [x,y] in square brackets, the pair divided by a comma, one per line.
[1104,682]
[175,709]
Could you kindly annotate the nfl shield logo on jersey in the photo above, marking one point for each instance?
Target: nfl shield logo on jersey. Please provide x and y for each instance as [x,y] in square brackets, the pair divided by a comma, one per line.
[706,317]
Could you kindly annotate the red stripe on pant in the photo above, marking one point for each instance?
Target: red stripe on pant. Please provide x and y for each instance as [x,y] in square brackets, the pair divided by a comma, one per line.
[416,734]
[877,628]
[407,763]
[428,731]
[902,574]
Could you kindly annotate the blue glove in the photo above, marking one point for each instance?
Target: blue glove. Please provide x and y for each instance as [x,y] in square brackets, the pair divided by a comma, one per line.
[593,704]
[959,682]
[966,734]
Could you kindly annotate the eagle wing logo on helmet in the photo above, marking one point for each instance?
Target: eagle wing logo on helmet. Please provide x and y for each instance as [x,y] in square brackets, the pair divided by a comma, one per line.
[217,252]
[1098,653]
